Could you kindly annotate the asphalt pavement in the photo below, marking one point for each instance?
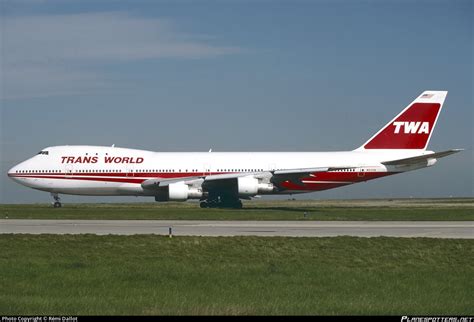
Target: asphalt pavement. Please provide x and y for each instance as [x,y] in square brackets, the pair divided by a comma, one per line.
[433,229]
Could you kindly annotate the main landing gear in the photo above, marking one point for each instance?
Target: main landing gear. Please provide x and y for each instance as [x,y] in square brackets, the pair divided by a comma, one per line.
[57,203]
[221,203]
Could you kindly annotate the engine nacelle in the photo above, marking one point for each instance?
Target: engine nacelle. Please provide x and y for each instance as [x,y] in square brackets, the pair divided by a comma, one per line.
[249,186]
[178,191]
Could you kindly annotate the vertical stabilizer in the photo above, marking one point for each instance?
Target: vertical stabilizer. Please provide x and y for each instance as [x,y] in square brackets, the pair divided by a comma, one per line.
[413,127]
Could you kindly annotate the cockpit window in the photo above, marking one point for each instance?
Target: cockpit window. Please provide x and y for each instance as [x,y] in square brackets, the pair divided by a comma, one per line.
[43,152]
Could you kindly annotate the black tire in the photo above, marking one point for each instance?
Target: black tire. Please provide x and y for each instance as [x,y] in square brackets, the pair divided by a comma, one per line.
[57,205]
[203,205]
[212,204]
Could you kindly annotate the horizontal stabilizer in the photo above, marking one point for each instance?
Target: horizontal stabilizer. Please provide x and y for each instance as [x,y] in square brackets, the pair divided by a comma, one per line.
[421,158]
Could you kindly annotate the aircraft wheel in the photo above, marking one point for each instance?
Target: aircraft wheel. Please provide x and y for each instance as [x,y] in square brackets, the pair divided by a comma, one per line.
[57,205]
[203,205]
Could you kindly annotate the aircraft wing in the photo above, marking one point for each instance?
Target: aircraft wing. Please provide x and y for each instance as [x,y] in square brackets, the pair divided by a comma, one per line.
[421,158]
[157,183]
[295,175]
[227,181]
[273,173]
[215,180]
[275,176]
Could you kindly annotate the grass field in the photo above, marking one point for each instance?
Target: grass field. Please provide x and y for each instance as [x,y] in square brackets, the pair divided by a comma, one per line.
[153,275]
[403,209]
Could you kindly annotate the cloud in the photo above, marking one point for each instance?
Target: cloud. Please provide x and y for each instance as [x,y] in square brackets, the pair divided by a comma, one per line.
[62,54]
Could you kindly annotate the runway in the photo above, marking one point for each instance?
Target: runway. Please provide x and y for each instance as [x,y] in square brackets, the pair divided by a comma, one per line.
[434,229]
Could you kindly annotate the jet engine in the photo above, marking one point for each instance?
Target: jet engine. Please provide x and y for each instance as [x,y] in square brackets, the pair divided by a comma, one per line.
[178,191]
[250,186]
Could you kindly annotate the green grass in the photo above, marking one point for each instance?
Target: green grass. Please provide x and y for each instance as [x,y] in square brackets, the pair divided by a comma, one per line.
[154,275]
[431,209]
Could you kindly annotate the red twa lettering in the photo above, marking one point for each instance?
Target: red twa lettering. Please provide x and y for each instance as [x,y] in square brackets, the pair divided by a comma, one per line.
[133,160]
[108,159]
[79,159]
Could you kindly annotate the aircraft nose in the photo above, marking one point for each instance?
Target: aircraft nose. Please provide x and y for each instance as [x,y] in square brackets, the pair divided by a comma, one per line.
[12,171]
[13,174]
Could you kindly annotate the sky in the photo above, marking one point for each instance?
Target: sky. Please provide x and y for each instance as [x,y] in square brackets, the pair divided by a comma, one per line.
[234,76]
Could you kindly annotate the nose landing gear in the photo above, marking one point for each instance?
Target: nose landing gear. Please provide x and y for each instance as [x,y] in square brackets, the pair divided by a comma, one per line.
[56,203]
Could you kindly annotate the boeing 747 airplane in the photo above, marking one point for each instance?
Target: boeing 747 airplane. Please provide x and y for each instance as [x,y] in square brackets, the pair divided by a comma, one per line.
[223,179]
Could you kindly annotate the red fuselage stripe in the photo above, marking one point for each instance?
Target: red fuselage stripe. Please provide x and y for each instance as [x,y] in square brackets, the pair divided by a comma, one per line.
[318,181]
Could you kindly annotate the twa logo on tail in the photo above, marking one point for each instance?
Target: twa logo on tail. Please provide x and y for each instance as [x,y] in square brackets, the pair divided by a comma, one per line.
[412,127]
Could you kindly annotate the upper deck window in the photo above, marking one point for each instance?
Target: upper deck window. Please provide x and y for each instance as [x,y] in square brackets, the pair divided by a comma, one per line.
[43,152]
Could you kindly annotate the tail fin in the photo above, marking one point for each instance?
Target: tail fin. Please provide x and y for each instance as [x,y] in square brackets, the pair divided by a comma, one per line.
[412,128]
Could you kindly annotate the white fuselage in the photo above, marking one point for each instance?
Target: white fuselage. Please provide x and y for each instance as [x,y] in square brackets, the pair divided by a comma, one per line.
[96,170]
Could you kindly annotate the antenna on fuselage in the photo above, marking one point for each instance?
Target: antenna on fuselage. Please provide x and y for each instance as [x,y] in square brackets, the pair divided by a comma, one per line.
[210,150]
[113,145]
